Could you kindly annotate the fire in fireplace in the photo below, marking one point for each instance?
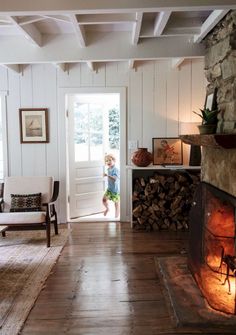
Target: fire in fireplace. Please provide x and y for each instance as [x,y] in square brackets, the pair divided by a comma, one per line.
[212,249]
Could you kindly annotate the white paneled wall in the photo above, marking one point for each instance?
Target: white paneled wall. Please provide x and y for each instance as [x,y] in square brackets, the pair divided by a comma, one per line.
[158,98]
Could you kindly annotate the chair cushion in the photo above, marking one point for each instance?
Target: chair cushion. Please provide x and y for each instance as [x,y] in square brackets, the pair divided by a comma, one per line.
[25,202]
[22,218]
[26,185]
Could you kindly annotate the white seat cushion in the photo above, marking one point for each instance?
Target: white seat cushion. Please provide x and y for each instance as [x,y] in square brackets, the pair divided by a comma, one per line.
[22,218]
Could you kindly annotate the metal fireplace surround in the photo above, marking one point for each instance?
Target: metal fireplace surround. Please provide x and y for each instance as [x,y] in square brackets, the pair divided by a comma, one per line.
[212,246]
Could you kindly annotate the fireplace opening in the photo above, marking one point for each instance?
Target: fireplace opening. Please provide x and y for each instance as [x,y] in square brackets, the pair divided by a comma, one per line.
[212,247]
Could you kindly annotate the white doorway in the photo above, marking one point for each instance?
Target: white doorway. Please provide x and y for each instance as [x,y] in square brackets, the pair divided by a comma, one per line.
[94,129]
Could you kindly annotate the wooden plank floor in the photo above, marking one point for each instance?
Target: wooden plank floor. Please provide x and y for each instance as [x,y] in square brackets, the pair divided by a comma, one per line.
[105,282]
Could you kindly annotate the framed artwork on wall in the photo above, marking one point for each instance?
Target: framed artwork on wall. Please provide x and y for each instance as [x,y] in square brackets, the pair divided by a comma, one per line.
[167,151]
[33,125]
[210,101]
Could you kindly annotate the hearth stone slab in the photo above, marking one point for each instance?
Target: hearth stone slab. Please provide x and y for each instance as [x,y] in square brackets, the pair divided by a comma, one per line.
[189,306]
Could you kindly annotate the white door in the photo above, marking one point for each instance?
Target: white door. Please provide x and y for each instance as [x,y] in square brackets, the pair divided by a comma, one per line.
[88,138]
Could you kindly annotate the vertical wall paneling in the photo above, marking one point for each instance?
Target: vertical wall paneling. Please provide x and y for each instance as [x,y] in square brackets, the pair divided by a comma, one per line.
[3,108]
[91,78]
[51,103]
[70,77]
[99,76]
[13,104]
[157,97]
[122,74]
[116,74]
[185,91]
[198,88]
[135,126]
[3,79]
[185,100]
[86,78]
[172,102]
[26,87]
[26,93]
[39,84]
[161,97]
[149,127]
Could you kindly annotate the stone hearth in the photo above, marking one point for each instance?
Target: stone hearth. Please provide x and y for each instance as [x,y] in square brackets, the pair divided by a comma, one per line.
[189,306]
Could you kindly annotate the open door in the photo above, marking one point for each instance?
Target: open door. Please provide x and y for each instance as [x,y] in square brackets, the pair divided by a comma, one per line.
[89,139]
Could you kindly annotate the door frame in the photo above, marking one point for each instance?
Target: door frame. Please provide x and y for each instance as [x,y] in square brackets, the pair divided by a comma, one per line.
[3,110]
[63,145]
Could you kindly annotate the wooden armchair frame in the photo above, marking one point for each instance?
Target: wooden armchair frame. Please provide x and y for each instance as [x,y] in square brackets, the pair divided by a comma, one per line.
[50,216]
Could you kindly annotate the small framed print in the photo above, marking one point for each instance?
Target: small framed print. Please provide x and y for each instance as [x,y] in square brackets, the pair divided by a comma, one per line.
[210,101]
[167,151]
[33,125]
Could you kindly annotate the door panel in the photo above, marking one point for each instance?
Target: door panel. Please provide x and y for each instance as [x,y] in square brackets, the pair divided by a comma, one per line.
[86,181]
[89,186]
[93,130]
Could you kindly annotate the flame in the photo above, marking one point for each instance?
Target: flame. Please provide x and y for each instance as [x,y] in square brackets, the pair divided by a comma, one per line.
[217,294]
[219,240]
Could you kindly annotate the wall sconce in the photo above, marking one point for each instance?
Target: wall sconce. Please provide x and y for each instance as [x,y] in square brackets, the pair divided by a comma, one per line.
[187,128]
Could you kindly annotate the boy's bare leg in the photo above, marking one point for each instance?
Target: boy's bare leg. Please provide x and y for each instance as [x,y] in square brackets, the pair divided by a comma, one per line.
[105,203]
[117,209]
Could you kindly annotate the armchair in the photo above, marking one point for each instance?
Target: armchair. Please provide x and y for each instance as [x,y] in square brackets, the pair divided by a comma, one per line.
[28,203]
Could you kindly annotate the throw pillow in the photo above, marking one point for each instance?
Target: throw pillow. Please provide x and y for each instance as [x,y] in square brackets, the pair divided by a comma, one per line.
[25,202]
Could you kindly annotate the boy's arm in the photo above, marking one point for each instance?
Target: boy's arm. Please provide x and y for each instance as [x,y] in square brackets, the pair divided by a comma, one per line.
[112,177]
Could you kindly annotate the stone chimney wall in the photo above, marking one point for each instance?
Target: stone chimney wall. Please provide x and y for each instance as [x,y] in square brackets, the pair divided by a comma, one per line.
[219,165]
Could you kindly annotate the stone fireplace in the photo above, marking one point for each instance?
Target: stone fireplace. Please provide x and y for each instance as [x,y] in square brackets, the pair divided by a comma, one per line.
[212,254]
[219,164]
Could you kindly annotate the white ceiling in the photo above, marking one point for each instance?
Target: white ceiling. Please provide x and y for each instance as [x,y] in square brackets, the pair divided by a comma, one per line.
[68,31]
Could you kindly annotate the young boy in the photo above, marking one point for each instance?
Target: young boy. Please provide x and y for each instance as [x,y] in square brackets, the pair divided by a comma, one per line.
[113,190]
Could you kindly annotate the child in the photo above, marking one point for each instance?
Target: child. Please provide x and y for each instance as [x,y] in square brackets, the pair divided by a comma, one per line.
[113,190]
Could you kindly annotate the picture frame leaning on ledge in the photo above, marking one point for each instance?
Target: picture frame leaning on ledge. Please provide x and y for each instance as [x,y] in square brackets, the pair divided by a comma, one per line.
[210,101]
[33,125]
[167,151]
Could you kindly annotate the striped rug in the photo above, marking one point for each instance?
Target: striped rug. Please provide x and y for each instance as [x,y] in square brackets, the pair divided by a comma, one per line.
[25,264]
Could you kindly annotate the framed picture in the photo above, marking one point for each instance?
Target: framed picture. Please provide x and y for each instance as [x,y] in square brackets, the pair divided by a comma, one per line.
[33,125]
[210,101]
[167,151]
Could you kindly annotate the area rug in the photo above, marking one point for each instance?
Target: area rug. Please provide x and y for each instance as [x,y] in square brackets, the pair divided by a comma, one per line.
[25,264]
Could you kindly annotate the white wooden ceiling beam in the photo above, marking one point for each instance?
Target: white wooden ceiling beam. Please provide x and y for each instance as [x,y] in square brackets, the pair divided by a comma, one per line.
[30,32]
[56,7]
[105,18]
[5,25]
[60,18]
[181,31]
[7,21]
[210,23]
[106,47]
[160,22]
[29,19]
[185,22]
[137,28]
[176,62]
[79,31]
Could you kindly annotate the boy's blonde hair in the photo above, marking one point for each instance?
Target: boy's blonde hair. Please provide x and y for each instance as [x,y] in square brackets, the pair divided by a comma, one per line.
[110,156]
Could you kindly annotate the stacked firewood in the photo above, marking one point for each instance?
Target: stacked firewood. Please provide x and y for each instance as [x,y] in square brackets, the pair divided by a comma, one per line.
[163,201]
